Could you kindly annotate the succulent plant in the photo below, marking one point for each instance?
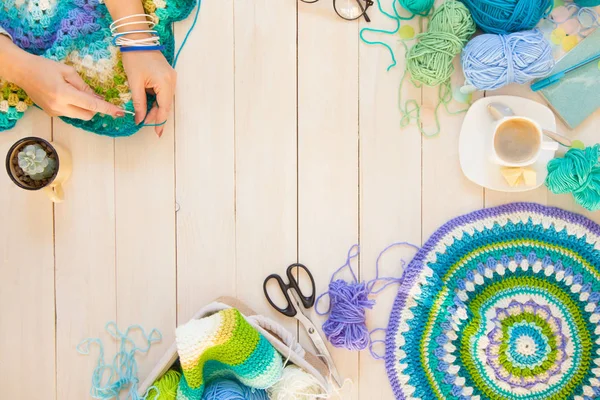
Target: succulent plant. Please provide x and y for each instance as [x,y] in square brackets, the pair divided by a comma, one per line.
[34,162]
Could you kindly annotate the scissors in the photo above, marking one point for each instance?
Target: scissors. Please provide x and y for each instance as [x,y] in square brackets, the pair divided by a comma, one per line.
[297,305]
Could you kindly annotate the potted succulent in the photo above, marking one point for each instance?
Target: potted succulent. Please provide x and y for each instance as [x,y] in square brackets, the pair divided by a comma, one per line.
[34,163]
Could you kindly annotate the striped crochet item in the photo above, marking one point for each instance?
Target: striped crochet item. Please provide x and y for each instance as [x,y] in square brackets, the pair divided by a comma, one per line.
[224,345]
[77,33]
[502,303]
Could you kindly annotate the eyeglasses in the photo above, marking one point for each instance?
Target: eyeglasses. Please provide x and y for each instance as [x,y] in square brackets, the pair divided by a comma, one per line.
[349,10]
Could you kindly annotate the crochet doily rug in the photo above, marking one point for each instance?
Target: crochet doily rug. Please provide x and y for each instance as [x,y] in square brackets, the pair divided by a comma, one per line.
[502,303]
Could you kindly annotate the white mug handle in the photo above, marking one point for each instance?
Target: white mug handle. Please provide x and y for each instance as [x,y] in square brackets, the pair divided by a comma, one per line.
[547,145]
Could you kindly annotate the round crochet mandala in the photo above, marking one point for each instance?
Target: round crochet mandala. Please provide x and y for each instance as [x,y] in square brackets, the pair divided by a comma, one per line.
[502,303]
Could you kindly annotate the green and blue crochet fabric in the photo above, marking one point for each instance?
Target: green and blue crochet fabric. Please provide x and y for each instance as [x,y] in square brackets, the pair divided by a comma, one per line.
[224,345]
[500,304]
[77,33]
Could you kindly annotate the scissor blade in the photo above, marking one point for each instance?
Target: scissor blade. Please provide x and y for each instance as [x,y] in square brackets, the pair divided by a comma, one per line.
[320,346]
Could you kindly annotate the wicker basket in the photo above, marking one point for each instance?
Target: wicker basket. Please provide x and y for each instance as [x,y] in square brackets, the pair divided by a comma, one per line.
[283,340]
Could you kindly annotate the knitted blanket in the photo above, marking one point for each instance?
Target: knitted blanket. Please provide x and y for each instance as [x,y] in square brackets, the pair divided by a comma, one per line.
[76,32]
[502,303]
[224,345]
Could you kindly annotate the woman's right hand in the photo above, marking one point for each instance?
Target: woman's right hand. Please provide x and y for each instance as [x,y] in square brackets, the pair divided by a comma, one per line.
[54,87]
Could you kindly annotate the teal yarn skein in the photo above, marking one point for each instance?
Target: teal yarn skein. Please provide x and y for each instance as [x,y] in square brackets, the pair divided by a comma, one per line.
[577,173]
[508,16]
[588,3]
[420,8]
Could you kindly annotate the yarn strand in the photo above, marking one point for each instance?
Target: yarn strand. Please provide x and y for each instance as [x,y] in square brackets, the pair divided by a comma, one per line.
[109,379]
[415,7]
[345,326]
[176,58]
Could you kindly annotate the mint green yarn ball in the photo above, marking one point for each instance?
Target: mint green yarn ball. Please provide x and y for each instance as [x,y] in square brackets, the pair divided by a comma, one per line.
[577,173]
[429,61]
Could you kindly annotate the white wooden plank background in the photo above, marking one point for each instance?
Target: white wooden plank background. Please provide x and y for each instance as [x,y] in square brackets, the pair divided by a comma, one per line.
[284,146]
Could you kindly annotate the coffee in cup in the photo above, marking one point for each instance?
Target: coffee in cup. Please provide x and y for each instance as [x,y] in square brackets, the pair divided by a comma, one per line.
[518,141]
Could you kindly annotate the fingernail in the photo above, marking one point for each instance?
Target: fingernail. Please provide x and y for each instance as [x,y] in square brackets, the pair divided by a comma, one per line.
[120,114]
[160,132]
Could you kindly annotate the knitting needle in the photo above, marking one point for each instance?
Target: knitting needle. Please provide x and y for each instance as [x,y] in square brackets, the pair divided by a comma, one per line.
[554,78]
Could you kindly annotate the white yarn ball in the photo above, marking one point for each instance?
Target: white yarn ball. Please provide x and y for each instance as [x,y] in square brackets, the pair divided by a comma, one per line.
[295,384]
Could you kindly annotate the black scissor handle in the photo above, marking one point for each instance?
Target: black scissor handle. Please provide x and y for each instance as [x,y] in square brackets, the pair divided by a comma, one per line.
[307,301]
[290,310]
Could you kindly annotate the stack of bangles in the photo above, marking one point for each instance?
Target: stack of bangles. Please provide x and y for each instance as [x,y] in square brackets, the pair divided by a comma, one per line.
[125,43]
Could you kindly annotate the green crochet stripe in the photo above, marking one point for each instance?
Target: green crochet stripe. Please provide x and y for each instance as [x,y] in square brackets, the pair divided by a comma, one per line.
[231,353]
[546,330]
[425,341]
[480,255]
[471,330]
[512,292]
[500,304]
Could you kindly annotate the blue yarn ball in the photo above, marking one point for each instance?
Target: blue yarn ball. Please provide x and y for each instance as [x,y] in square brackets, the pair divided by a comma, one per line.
[226,389]
[507,16]
[492,61]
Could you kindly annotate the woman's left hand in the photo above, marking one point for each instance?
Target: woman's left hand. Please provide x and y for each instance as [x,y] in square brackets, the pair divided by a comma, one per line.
[149,71]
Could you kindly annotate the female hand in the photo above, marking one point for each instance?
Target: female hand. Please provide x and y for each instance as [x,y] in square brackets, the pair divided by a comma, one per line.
[150,71]
[54,87]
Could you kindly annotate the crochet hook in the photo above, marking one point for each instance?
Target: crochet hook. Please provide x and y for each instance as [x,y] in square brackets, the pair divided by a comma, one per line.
[554,78]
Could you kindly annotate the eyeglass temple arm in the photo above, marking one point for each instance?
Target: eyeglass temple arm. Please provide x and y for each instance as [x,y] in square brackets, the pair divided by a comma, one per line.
[364,10]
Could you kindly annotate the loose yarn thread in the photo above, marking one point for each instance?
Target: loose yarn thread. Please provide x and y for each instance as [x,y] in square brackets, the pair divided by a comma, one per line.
[109,379]
[429,61]
[415,7]
[227,389]
[176,58]
[296,384]
[492,61]
[508,16]
[577,173]
[345,326]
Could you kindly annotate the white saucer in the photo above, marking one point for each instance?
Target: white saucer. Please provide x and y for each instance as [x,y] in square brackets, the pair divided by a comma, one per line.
[474,145]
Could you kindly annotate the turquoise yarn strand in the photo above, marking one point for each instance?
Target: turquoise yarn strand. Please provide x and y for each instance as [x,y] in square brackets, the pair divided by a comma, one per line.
[185,39]
[415,7]
[189,32]
[109,379]
[577,173]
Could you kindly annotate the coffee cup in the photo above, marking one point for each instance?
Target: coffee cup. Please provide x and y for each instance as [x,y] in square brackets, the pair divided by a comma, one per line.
[518,142]
[51,185]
